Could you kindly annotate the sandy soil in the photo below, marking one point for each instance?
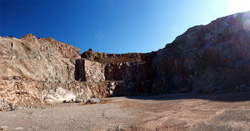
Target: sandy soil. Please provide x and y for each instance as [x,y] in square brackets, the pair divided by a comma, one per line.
[220,111]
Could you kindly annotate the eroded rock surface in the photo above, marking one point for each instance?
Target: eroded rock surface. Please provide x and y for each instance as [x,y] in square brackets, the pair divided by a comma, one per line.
[43,59]
[206,58]
[89,71]
[35,72]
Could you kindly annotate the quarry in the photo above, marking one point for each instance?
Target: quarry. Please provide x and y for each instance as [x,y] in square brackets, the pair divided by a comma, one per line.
[200,81]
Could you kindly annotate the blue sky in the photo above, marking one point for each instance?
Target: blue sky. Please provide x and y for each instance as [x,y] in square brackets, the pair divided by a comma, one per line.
[112,26]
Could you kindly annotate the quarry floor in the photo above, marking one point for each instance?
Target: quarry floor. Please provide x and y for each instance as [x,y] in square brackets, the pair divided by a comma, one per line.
[218,111]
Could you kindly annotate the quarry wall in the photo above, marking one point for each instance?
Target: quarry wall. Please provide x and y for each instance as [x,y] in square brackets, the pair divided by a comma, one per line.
[35,72]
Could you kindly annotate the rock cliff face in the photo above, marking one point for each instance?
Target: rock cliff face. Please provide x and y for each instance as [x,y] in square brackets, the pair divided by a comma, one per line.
[207,58]
[132,73]
[39,71]
[42,59]
[89,71]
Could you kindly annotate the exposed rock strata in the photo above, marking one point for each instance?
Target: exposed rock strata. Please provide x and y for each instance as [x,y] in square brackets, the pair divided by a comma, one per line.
[35,72]
[89,71]
[42,59]
[216,55]
[39,71]
[207,58]
[106,58]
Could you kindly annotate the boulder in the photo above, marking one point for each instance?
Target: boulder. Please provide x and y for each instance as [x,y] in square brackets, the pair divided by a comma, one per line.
[94,100]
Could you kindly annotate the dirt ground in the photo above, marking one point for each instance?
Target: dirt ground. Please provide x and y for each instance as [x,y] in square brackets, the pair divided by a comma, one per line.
[219,111]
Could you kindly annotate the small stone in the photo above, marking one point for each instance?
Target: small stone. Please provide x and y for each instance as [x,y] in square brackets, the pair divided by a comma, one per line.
[79,100]
[120,128]
[4,128]
[112,87]
[19,128]
[111,92]
[94,100]
[112,83]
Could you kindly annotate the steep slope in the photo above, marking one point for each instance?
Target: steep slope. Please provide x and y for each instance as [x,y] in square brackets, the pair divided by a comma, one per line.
[42,59]
[35,72]
[207,58]
[39,71]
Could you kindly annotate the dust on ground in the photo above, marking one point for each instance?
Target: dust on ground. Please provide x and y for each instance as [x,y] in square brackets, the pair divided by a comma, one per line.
[219,111]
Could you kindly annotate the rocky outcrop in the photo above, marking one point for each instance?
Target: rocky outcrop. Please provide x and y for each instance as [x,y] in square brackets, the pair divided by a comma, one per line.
[106,58]
[35,72]
[126,72]
[89,71]
[43,59]
[137,76]
[19,94]
[207,58]
[215,55]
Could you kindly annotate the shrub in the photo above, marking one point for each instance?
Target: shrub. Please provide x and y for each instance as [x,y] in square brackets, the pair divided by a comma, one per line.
[90,49]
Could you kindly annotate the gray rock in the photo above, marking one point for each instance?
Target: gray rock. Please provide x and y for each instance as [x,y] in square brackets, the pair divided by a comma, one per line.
[120,128]
[94,100]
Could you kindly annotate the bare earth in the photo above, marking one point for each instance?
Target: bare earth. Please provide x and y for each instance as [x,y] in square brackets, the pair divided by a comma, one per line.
[219,111]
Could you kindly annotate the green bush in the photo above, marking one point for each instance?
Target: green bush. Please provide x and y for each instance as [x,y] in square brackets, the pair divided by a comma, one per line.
[90,49]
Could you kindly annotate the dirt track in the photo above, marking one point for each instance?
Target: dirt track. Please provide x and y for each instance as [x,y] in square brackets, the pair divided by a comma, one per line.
[165,112]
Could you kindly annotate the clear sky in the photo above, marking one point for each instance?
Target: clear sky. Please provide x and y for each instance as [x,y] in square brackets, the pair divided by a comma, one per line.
[112,26]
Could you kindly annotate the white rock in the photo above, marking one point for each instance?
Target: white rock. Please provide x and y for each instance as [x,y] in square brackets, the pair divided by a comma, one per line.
[4,128]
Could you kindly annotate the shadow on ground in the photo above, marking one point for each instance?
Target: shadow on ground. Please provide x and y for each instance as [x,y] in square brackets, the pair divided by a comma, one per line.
[225,97]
